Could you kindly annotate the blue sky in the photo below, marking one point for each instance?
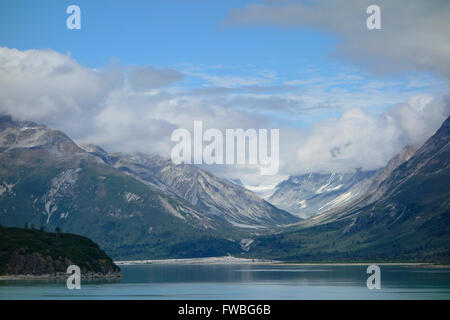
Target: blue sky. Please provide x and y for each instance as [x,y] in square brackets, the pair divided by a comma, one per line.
[156,32]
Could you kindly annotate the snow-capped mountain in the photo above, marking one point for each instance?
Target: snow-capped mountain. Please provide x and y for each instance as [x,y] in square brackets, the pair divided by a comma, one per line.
[311,194]
[375,191]
[216,198]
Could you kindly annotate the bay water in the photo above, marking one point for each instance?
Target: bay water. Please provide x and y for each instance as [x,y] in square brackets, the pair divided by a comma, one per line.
[244,281]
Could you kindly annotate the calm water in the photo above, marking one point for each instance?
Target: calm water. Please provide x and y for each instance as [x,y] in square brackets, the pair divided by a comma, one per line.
[245,282]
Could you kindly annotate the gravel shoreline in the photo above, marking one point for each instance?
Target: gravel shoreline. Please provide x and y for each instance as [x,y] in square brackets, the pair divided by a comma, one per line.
[209,260]
[60,276]
[234,260]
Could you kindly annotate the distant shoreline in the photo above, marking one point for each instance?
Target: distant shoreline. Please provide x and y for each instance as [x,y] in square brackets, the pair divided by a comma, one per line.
[60,276]
[234,260]
[208,260]
[227,260]
[405,264]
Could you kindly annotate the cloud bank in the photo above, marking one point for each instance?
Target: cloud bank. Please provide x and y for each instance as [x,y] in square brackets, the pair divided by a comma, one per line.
[359,140]
[414,33]
[135,109]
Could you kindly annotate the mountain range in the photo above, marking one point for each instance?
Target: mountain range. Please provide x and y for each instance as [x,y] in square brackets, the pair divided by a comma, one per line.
[141,207]
[132,206]
[311,194]
[404,216]
[215,198]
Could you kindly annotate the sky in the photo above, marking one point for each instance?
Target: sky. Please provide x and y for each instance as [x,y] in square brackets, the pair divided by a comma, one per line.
[343,96]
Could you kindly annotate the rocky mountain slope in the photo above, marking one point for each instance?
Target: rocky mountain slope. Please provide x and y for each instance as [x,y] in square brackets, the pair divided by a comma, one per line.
[404,155]
[374,192]
[47,180]
[213,197]
[311,194]
[409,220]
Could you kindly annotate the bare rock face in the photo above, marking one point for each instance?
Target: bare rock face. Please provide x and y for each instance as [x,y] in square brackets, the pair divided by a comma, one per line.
[310,194]
[48,180]
[403,156]
[407,218]
[27,134]
[213,197]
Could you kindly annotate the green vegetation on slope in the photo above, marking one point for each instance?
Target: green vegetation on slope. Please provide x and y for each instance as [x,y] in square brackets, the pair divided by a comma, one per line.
[374,236]
[95,205]
[410,222]
[29,251]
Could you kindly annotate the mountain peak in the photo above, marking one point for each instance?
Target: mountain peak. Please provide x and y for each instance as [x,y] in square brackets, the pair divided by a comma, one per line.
[215,197]
[92,148]
[404,155]
[27,134]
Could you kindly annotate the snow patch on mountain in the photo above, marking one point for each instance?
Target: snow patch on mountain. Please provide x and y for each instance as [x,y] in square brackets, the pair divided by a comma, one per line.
[130,197]
[61,185]
[170,209]
[212,197]
[313,193]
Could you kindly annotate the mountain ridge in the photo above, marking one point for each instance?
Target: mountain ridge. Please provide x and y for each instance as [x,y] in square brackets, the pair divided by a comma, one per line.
[310,194]
[46,179]
[409,220]
[216,197]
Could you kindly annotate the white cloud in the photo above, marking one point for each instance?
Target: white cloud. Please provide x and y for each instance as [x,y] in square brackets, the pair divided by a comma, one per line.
[360,140]
[141,121]
[149,77]
[47,86]
[414,37]
[414,33]
[99,106]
